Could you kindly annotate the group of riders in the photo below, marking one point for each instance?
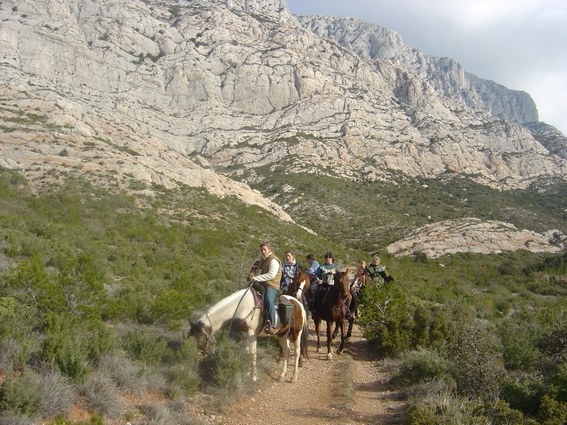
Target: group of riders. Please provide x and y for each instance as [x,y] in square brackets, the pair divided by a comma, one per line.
[272,278]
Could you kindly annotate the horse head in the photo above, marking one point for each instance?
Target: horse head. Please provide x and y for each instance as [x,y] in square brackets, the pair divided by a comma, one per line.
[204,336]
[363,277]
[253,270]
[301,282]
[342,282]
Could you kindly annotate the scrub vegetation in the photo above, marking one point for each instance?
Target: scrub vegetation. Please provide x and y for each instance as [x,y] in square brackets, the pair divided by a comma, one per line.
[97,290]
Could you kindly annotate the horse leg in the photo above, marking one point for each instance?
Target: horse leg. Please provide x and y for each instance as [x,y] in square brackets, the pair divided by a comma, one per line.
[349,331]
[329,339]
[317,326]
[252,345]
[284,345]
[297,351]
[341,324]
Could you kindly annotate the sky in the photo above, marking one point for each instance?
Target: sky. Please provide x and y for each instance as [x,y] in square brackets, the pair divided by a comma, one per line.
[520,44]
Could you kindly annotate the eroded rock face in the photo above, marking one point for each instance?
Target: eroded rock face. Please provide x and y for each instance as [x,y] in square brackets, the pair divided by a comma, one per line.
[445,75]
[195,92]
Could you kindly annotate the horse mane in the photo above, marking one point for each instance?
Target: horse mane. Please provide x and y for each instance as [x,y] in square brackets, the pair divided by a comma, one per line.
[213,314]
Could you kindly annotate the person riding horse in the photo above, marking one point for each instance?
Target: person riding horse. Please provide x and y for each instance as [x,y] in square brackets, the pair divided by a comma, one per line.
[324,277]
[375,269]
[290,270]
[268,284]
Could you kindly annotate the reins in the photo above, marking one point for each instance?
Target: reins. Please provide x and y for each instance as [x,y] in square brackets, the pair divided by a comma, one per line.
[209,339]
[242,297]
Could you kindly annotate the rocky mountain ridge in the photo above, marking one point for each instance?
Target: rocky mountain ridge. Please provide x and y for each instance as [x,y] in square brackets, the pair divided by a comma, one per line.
[195,92]
[447,77]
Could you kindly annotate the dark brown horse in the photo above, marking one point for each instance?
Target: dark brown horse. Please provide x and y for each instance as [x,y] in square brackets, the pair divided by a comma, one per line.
[331,308]
[357,280]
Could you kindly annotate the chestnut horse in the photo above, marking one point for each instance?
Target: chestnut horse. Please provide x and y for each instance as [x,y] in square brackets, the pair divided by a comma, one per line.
[299,288]
[332,309]
[358,278]
[241,312]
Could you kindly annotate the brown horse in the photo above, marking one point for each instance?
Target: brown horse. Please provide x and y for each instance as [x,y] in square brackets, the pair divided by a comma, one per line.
[363,277]
[358,278]
[331,308]
[299,288]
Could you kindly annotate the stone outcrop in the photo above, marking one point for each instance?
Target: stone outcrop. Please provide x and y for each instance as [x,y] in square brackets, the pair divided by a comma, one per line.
[471,235]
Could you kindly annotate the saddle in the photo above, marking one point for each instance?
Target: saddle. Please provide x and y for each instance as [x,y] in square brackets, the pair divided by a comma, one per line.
[284,307]
[258,298]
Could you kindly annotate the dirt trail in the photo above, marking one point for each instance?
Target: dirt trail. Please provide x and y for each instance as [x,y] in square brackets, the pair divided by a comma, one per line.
[315,400]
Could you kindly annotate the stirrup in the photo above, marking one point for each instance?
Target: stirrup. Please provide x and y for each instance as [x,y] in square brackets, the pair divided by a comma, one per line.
[268,329]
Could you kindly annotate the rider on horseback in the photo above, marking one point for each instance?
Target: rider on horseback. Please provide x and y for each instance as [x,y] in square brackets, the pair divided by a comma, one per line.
[376,269]
[313,266]
[325,275]
[290,270]
[268,283]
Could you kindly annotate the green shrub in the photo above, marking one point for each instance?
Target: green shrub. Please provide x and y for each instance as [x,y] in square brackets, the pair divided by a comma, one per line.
[476,358]
[149,346]
[183,380]
[170,307]
[552,412]
[228,366]
[18,339]
[523,391]
[519,348]
[19,395]
[500,413]
[421,366]
[72,346]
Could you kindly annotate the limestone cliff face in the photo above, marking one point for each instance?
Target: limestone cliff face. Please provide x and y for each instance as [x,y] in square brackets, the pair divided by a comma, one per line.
[446,76]
[194,92]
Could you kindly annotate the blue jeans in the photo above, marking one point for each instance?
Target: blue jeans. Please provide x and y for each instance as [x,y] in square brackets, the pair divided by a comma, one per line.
[269,304]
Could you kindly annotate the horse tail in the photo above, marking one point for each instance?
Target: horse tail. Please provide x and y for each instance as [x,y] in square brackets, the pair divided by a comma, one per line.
[304,335]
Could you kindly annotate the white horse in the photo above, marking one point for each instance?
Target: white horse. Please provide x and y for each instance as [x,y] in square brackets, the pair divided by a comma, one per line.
[242,312]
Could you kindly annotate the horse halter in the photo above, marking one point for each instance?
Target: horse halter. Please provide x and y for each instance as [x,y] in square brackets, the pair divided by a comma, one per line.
[209,339]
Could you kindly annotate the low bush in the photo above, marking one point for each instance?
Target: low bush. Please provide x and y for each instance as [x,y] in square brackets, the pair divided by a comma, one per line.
[421,366]
[228,366]
[19,394]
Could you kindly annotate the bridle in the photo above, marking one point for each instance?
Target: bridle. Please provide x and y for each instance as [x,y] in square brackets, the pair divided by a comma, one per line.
[209,340]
